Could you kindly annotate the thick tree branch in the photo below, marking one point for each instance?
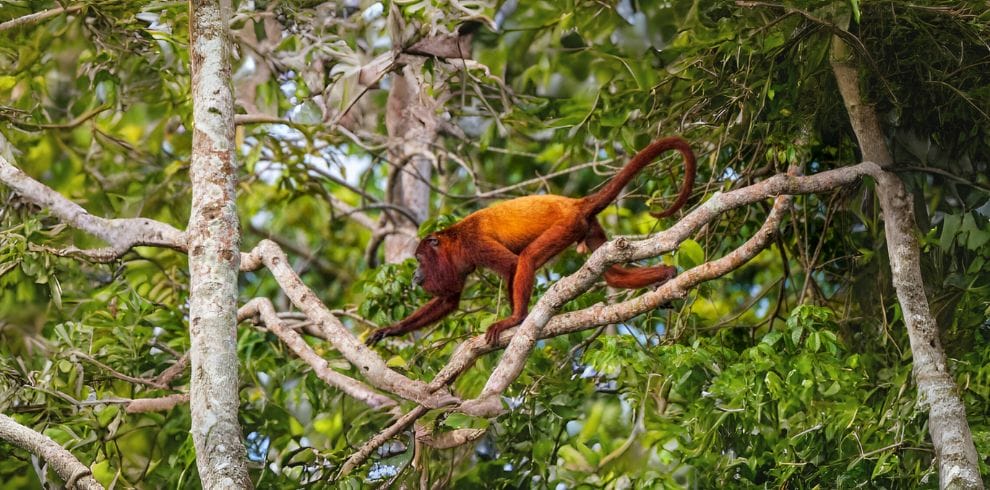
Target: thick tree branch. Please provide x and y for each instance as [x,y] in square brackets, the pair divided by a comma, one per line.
[412,128]
[74,473]
[265,311]
[121,233]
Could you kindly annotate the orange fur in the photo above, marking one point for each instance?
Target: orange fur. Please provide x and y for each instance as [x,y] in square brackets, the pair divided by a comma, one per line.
[514,238]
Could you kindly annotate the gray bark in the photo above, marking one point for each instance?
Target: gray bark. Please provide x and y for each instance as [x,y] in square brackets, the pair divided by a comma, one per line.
[951,436]
[214,254]
[412,129]
[74,473]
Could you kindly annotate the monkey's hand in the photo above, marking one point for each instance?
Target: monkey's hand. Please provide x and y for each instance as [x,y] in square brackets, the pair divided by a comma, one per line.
[496,329]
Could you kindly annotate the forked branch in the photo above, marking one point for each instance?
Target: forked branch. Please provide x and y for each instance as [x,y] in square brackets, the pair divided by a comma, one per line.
[265,311]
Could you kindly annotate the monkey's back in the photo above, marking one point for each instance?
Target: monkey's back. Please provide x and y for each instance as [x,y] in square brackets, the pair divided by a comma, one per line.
[517,222]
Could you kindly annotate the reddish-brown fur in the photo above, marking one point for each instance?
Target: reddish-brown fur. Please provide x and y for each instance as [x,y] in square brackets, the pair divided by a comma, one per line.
[515,238]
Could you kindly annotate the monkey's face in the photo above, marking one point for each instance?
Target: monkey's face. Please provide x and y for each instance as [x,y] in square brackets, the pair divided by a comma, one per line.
[437,273]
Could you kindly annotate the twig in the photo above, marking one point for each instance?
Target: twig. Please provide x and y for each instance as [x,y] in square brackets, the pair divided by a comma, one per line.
[168,402]
[116,374]
[174,371]
[362,454]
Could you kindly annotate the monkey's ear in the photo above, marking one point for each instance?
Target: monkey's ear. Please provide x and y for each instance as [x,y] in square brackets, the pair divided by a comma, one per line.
[432,241]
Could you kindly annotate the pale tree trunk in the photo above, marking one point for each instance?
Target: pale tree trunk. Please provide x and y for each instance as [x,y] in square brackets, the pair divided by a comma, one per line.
[953,441]
[214,254]
[412,129]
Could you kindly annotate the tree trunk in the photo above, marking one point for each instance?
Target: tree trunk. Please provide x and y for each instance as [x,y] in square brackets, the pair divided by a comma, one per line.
[214,254]
[953,441]
[412,130]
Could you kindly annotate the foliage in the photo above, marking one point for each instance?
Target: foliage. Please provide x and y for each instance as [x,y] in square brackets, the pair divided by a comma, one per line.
[792,371]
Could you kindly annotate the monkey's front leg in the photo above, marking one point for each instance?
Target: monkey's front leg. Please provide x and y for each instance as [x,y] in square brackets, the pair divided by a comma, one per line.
[431,312]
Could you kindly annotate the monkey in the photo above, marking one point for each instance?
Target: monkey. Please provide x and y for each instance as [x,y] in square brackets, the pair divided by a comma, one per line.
[516,237]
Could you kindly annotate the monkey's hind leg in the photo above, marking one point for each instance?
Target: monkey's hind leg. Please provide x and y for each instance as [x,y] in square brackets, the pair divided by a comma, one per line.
[537,253]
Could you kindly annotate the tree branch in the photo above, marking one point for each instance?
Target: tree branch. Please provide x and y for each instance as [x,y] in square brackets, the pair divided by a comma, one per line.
[168,402]
[214,254]
[39,16]
[362,454]
[153,383]
[265,311]
[371,366]
[122,234]
[74,473]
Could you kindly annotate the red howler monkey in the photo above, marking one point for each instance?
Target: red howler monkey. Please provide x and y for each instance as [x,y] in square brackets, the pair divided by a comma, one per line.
[514,238]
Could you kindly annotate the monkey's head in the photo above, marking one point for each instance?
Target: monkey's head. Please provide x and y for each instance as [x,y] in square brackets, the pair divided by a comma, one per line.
[438,271]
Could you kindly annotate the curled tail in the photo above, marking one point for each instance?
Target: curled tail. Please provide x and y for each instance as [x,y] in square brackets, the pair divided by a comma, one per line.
[600,200]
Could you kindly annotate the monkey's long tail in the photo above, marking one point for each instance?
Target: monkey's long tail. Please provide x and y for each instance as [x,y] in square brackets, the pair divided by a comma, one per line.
[600,200]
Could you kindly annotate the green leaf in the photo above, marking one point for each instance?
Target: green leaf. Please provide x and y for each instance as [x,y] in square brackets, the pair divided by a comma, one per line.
[7,82]
[553,153]
[106,414]
[796,334]
[103,472]
[950,227]
[574,459]
[774,384]
[397,362]
[329,426]
[977,239]
[833,389]
[813,342]
[690,254]
[772,337]
[55,288]
[462,421]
